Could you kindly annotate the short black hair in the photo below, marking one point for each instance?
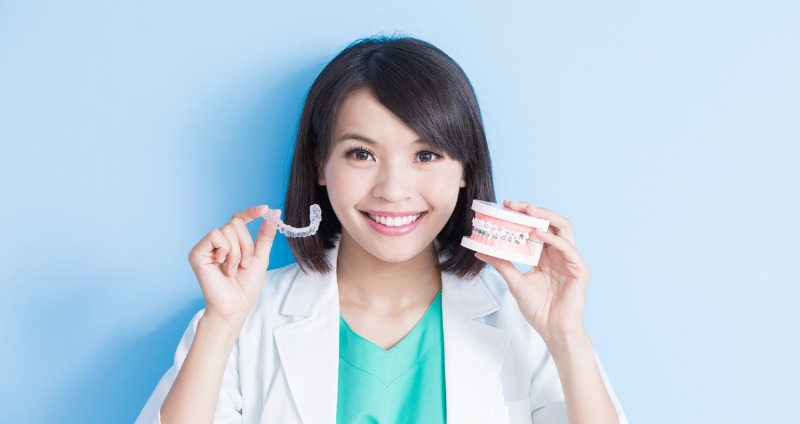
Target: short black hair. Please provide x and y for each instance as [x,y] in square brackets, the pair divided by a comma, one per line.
[431,94]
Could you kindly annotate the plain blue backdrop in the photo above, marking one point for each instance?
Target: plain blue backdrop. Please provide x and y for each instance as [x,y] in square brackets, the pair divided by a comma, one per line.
[668,132]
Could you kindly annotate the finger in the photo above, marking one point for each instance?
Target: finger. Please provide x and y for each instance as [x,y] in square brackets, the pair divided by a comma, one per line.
[214,244]
[507,270]
[560,226]
[245,241]
[235,254]
[569,251]
[251,213]
[219,242]
[264,240]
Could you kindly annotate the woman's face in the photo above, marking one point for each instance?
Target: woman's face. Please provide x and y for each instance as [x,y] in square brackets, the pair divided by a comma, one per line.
[392,192]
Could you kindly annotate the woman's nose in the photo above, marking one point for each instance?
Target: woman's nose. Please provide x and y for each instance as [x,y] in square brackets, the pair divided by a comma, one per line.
[394,183]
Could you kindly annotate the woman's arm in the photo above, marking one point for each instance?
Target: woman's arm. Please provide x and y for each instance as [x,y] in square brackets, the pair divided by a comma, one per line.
[231,270]
[552,297]
[585,393]
[194,394]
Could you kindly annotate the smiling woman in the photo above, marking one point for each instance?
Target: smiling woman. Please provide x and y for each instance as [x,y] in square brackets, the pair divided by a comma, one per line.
[386,317]
[379,172]
[420,91]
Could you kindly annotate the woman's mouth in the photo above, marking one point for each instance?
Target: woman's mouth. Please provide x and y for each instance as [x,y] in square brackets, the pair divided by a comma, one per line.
[394,221]
[393,224]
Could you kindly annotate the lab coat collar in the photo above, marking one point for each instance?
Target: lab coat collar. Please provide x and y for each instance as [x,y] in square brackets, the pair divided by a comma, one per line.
[473,350]
[309,347]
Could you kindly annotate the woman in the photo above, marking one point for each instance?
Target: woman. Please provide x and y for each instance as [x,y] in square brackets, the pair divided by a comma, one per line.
[385,317]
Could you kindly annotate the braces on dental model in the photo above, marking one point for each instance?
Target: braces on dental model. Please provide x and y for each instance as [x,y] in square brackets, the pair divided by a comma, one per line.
[315,216]
[486,228]
[505,233]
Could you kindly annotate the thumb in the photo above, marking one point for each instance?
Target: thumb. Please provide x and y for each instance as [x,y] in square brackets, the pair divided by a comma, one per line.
[507,270]
[265,238]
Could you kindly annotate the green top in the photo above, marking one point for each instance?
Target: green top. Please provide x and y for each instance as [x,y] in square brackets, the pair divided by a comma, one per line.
[404,384]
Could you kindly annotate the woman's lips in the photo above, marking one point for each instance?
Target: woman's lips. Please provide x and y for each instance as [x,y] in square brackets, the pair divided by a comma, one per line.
[393,230]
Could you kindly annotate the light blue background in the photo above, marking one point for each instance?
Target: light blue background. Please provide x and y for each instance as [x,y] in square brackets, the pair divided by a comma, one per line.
[668,132]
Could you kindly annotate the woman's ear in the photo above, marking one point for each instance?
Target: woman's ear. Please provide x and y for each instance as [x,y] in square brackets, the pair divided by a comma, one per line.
[320,174]
[463,182]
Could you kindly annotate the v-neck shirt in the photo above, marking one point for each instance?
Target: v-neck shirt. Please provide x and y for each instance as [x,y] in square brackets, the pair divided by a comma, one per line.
[404,384]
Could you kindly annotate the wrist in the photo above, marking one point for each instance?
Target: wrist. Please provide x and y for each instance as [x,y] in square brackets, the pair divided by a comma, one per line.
[225,317]
[226,328]
[566,344]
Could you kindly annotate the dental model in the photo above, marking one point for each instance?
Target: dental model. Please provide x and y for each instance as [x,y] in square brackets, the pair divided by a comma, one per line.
[504,233]
[315,216]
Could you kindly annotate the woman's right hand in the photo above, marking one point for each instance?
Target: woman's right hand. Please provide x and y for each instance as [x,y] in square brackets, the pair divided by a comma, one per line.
[231,269]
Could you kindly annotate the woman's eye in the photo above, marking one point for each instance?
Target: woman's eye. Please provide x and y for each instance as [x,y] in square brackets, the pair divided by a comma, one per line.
[427,156]
[359,154]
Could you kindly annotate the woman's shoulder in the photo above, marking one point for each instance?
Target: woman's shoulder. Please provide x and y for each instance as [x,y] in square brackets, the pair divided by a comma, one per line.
[487,291]
[508,315]
[288,291]
[497,286]
[277,285]
[280,279]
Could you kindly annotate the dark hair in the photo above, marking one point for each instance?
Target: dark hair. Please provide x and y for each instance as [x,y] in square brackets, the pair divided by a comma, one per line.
[430,93]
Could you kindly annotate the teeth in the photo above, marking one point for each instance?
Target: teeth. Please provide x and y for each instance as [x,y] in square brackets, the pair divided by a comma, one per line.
[396,221]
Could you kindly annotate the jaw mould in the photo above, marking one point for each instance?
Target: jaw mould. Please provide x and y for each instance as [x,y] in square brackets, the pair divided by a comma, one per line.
[315,217]
[504,233]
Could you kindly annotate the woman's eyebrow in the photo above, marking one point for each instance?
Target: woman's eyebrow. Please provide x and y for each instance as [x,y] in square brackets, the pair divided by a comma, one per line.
[365,139]
[356,136]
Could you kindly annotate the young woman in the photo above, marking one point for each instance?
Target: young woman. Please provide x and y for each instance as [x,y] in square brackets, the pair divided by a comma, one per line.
[386,318]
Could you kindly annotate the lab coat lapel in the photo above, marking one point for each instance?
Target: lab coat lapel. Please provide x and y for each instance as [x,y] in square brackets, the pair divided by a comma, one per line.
[474,351]
[309,347]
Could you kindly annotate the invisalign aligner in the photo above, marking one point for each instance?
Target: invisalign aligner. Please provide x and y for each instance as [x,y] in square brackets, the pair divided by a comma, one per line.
[315,216]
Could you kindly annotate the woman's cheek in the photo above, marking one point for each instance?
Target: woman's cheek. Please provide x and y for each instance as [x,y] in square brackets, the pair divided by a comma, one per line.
[347,184]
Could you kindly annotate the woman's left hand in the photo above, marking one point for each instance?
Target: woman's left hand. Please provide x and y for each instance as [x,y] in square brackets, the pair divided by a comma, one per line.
[551,295]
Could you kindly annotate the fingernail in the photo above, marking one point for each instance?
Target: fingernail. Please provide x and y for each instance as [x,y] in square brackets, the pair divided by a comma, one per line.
[246,262]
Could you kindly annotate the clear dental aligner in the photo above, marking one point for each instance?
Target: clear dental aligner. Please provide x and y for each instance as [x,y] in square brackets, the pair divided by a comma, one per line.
[315,217]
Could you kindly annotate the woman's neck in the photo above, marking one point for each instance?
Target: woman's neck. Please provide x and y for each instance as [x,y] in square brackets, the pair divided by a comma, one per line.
[373,284]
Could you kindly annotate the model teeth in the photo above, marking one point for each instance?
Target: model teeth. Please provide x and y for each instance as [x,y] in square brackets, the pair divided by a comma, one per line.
[397,221]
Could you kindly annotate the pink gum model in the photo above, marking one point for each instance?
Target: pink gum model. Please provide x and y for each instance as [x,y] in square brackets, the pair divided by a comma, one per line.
[505,233]
[505,243]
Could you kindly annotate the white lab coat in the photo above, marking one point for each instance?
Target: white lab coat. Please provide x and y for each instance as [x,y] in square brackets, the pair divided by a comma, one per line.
[284,365]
